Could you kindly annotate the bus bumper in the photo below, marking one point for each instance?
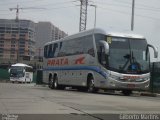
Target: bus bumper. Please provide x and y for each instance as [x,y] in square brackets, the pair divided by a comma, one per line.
[115,84]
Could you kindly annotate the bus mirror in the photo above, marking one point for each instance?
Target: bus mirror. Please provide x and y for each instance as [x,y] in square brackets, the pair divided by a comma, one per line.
[155,50]
[105,45]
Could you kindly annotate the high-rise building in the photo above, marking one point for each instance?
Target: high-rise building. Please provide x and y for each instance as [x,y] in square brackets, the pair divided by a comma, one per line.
[46,32]
[17,38]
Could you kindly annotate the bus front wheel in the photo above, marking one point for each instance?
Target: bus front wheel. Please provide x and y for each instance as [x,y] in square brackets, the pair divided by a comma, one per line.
[91,86]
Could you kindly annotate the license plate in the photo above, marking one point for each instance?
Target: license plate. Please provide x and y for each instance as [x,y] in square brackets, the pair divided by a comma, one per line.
[131,85]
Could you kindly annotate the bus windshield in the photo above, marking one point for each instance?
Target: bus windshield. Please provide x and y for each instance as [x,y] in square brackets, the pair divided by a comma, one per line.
[17,71]
[128,55]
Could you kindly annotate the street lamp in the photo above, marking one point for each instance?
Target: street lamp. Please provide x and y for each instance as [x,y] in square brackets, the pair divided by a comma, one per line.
[95,6]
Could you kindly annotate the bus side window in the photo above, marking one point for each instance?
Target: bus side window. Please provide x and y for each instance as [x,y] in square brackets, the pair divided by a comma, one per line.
[55,50]
[50,51]
[46,51]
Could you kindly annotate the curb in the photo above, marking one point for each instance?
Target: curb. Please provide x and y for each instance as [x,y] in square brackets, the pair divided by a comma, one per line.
[4,81]
[40,85]
[149,94]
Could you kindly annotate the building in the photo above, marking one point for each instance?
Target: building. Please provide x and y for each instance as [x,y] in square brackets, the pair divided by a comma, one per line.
[17,39]
[46,32]
[23,40]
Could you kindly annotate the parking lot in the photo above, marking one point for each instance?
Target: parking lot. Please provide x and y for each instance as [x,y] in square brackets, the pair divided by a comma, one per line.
[39,99]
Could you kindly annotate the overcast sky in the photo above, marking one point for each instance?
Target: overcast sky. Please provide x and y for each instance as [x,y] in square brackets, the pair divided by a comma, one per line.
[111,14]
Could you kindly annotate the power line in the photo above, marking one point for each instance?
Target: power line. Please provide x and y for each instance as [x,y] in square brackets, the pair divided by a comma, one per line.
[6,14]
[63,7]
[28,1]
[51,9]
[4,10]
[137,4]
[126,13]
[57,3]
[18,8]
[129,6]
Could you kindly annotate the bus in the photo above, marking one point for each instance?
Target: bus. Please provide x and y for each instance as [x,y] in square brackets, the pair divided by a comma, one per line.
[98,59]
[20,72]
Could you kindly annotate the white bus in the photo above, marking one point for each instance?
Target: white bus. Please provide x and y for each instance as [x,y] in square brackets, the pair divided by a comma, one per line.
[96,59]
[20,72]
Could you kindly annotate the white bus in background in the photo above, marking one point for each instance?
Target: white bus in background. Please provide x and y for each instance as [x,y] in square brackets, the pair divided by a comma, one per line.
[96,59]
[20,72]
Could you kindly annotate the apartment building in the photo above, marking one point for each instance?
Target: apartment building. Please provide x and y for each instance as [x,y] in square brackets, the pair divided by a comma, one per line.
[22,38]
[17,39]
[46,32]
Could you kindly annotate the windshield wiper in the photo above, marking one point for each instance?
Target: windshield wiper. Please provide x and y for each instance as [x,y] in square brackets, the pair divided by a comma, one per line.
[131,65]
[135,66]
[128,57]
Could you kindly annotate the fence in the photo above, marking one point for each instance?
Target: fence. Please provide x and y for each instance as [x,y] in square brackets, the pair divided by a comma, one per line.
[155,77]
[4,75]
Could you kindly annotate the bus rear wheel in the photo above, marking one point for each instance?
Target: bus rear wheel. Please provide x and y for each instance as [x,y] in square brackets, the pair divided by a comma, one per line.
[91,86]
[127,92]
[56,85]
[55,82]
[50,83]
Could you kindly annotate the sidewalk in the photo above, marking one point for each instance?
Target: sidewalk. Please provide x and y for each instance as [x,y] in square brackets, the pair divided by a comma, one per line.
[150,94]
[4,81]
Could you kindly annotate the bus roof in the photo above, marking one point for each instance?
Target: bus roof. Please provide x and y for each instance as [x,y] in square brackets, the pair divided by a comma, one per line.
[100,31]
[21,65]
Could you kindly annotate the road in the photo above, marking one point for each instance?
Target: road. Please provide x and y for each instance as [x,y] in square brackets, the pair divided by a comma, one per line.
[36,99]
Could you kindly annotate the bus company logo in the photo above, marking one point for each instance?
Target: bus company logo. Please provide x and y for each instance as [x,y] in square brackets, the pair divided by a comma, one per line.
[80,60]
[57,62]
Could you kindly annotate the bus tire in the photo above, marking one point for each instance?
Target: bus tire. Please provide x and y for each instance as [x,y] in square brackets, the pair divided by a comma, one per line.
[90,84]
[56,85]
[55,82]
[127,92]
[50,82]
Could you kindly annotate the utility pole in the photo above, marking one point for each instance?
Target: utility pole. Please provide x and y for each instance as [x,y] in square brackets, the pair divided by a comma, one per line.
[95,14]
[83,15]
[132,18]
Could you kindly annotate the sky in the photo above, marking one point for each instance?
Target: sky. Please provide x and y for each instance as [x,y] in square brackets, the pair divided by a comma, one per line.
[114,15]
